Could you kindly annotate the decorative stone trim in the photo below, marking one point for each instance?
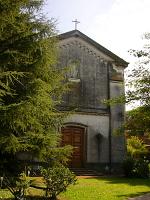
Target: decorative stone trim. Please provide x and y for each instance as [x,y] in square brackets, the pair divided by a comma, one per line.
[86,47]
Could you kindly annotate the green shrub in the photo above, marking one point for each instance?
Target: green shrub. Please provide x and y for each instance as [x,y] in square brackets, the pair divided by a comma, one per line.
[141,168]
[128,166]
[136,148]
[18,185]
[57,179]
[136,163]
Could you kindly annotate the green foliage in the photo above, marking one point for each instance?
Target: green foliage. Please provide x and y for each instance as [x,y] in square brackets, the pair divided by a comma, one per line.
[139,78]
[136,168]
[136,164]
[55,173]
[57,179]
[22,184]
[17,185]
[97,189]
[57,155]
[4,86]
[138,90]
[141,168]
[10,166]
[138,121]
[136,148]
[30,85]
[139,86]
[128,166]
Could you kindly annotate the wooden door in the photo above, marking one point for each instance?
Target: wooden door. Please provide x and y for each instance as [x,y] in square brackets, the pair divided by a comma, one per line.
[74,136]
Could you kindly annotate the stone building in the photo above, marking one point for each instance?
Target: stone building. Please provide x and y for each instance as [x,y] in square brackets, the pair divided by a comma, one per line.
[95,74]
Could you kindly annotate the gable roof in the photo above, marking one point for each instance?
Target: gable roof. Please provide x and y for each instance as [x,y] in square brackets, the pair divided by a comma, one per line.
[77,33]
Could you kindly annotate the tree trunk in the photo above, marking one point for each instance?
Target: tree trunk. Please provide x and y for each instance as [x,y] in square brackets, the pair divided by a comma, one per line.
[53,197]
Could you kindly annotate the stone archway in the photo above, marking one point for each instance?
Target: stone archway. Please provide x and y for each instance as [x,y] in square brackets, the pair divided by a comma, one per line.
[75,136]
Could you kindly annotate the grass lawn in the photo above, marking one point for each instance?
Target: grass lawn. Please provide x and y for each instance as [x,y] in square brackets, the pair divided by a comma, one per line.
[106,189]
[98,189]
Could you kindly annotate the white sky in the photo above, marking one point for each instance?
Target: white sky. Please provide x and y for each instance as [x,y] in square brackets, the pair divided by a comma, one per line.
[116,24]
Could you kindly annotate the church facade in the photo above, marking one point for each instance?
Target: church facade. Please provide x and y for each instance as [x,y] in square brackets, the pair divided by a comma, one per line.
[95,74]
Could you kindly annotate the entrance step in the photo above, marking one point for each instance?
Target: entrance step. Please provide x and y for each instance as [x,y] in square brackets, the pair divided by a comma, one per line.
[85,172]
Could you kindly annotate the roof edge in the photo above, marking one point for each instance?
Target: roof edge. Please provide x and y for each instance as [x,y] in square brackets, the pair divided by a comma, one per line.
[77,33]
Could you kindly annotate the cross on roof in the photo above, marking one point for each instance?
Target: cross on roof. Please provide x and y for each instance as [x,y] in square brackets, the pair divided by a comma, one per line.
[76,23]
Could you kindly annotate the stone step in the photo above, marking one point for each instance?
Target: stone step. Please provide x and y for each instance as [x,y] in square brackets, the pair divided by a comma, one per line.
[85,172]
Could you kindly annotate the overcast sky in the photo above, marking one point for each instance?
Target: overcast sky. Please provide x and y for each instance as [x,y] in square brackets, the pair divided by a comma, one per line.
[116,24]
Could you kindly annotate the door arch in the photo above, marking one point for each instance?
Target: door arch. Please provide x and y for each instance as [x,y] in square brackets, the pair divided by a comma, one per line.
[76,137]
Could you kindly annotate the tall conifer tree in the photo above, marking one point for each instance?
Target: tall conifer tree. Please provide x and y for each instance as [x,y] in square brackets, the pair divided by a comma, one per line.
[30,85]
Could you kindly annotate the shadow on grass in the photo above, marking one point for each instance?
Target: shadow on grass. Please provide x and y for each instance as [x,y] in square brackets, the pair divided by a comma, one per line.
[124,180]
[128,181]
[8,198]
[30,198]
[138,195]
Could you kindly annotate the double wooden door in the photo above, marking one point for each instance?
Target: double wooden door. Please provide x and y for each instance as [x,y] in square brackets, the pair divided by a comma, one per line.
[74,136]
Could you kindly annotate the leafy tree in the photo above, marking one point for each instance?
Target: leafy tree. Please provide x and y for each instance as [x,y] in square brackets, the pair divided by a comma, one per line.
[30,85]
[136,147]
[136,163]
[138,88]
[139,77]
[138,121]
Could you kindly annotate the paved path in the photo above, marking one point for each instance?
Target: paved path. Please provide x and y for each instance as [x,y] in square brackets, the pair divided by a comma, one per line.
[143,197]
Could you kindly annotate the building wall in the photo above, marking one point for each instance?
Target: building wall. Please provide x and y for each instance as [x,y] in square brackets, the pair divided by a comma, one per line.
[117,120]
[88,73]
[88,67]
[95,124]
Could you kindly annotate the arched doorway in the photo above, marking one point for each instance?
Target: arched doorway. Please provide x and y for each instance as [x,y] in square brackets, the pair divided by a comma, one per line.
[75,136]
